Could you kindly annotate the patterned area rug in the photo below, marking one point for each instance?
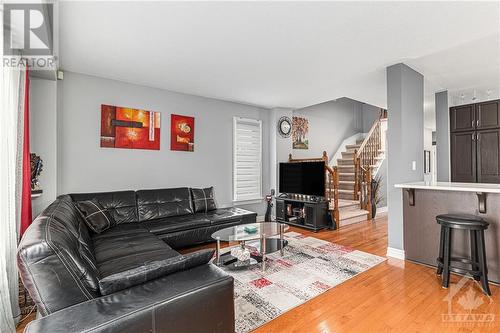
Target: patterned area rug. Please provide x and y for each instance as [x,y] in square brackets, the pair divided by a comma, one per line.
[309,267]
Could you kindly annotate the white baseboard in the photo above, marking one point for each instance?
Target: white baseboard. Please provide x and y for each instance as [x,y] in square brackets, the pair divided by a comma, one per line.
[395,253]
[260,218]
[382,209]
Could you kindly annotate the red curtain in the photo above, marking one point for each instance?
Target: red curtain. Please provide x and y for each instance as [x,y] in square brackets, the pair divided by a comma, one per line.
[26,217]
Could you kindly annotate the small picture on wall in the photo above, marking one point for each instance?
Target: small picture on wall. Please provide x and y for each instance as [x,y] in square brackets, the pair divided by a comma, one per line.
[300,131]
[129,128]
[182,133]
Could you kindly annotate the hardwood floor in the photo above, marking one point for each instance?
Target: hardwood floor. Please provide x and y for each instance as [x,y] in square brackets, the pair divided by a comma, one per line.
[395,296]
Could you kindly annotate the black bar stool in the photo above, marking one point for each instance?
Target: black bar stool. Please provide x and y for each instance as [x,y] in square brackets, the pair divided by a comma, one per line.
[476,226]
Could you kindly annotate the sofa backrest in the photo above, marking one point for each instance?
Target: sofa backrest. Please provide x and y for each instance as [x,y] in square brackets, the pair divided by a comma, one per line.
[153,204]
[121,204]
[56,259]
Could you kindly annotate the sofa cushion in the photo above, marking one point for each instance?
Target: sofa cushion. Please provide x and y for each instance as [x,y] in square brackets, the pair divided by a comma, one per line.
[121,204]
[120,230]
[143,271]
[125,258]
[97,217]
[177,223]
[120,248]
[203,199]
[138,272]
[154,204]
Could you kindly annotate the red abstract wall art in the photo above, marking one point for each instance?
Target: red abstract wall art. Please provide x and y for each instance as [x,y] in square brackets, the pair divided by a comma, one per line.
[182,133]
[129,128]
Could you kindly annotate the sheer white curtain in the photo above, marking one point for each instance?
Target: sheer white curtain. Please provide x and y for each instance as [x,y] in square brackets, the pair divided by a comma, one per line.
[12,107]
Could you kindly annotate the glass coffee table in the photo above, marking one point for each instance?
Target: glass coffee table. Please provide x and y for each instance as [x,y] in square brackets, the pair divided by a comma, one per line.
[249,232]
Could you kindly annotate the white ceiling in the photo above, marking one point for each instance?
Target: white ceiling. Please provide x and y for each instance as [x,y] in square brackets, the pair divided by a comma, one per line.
[288,54]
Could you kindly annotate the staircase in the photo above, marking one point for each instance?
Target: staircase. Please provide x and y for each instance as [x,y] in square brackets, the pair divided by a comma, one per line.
[348,184]
[349,208]
[349,204]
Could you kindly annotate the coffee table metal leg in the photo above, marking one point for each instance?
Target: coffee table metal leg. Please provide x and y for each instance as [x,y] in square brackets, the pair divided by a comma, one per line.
[217,252]
[263,251]
[282,243]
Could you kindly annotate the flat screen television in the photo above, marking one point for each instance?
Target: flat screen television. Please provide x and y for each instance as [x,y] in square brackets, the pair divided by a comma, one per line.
[302,178]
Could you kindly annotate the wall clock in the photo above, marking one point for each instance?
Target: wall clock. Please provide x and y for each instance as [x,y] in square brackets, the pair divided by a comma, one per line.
[284,127]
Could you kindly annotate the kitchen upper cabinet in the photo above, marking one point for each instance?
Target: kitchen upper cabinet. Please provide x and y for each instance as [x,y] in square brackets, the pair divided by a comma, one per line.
[488,156]
[475,142]
[488,115]
[463,157]
[463,118]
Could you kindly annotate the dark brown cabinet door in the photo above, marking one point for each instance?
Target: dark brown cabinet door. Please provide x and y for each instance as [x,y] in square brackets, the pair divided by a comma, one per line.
[310,218]
[463,157]
[488,115]
[462,118]
[488,156]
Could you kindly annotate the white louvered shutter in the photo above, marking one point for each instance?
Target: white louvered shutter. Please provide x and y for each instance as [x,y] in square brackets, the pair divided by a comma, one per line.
[247,159]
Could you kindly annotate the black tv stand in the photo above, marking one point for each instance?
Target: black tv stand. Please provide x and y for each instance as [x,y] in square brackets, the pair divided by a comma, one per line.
[303,211]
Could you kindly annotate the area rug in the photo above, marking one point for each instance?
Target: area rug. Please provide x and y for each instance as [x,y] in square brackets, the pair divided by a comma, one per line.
[309,267]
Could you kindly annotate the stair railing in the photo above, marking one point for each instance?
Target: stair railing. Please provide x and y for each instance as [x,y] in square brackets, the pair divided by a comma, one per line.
[364,159]
[331,186]
[332,192]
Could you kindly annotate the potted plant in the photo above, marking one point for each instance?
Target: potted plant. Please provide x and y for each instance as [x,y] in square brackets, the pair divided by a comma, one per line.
[375,194]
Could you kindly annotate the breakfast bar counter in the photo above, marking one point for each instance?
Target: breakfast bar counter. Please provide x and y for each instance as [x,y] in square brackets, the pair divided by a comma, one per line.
[423,201]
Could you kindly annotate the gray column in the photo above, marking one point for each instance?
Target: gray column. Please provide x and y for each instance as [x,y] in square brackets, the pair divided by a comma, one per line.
[405,141]
[280,147]
[442,137]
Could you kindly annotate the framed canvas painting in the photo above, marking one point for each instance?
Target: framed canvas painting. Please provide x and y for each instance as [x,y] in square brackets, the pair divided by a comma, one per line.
[181,133]
[129,128]
[300,131]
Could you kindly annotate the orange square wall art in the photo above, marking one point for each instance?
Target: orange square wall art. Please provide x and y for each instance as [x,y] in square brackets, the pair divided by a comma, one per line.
[182,133]
[129,128]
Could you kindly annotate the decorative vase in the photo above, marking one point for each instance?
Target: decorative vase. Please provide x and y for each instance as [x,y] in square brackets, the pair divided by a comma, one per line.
[374,209]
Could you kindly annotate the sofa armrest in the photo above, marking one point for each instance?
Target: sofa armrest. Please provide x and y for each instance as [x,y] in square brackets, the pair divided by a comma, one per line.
[195,300]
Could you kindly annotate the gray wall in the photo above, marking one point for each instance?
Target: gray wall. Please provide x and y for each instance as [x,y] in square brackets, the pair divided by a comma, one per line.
[369,114]
[43,138]
[329,124]
[280,147]
[442,137]
[85,166]
[405,101]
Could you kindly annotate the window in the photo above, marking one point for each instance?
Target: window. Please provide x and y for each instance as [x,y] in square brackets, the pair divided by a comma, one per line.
[247,159]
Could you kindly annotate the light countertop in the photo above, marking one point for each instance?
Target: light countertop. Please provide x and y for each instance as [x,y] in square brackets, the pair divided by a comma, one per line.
[451,186]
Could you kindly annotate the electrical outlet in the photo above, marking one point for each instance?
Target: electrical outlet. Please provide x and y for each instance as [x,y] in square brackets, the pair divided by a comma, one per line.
[414,165]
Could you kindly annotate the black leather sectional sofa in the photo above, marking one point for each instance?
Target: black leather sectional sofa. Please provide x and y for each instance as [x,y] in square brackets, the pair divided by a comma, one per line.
[128,278]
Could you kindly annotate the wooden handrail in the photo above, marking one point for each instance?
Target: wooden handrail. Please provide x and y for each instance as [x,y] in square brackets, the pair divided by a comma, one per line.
[364,159]
[368,136]
[311,159]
